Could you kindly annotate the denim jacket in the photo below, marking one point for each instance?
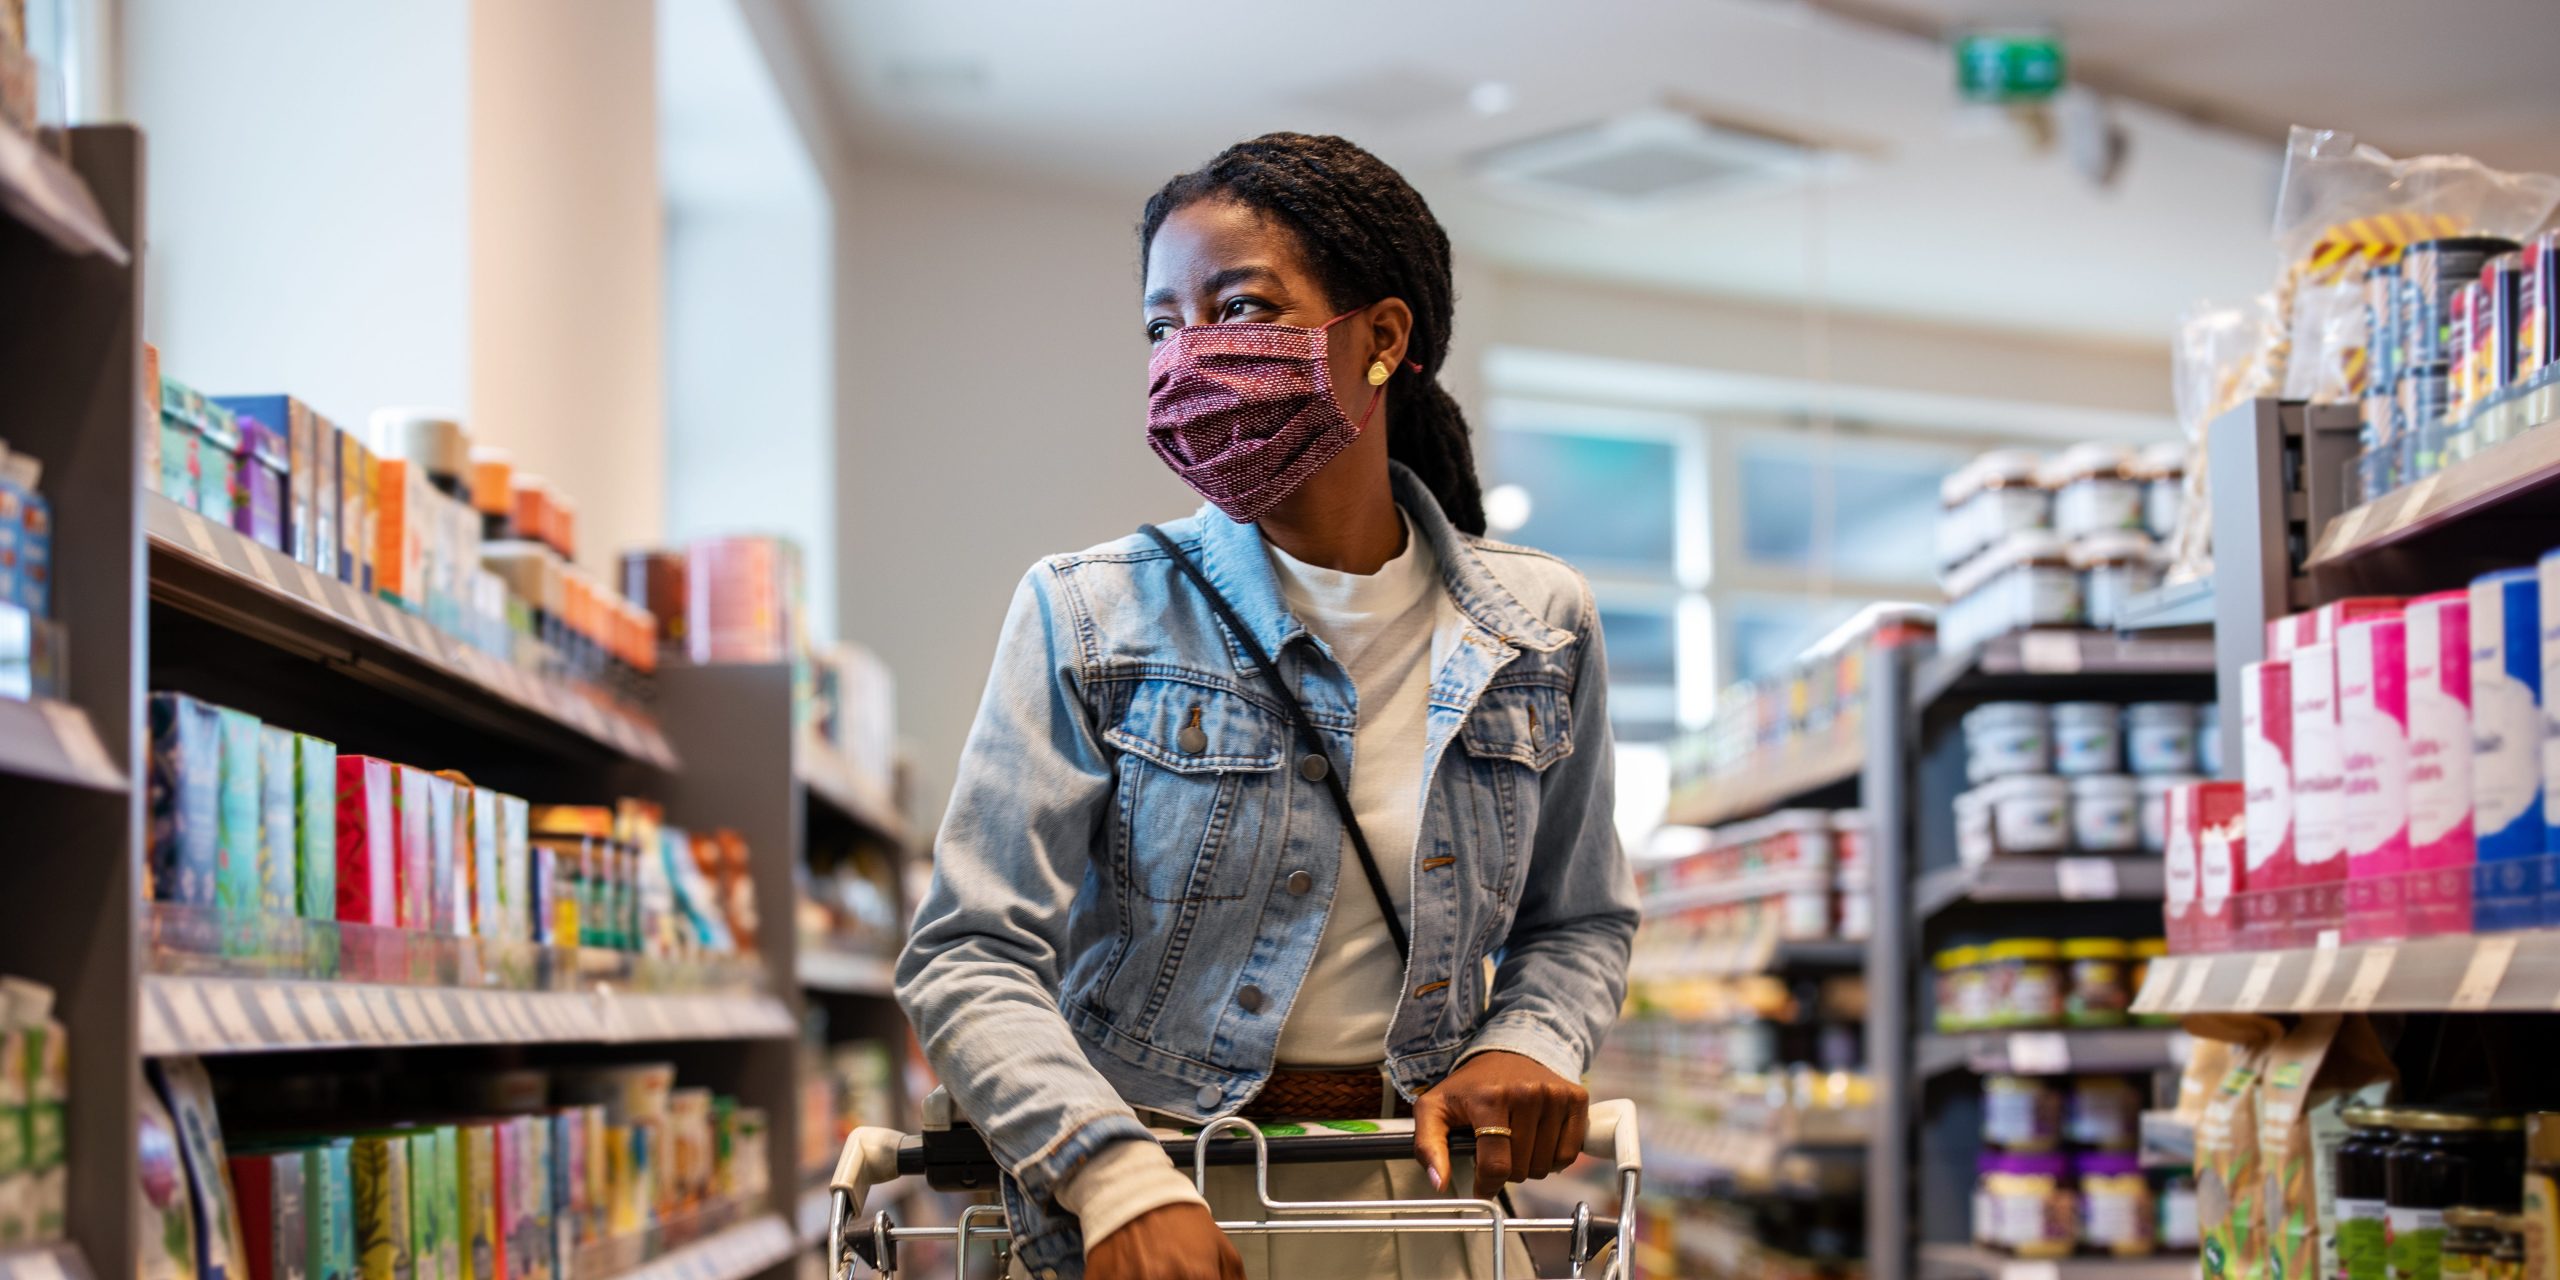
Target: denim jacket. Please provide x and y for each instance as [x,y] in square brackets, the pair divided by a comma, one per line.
[1102,895]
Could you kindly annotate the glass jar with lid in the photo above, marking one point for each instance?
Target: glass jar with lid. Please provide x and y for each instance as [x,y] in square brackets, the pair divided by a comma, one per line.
[2097,988]
[2470,1243]
[2359,1173]
[2115,566]
[2445,1159]
[1964,990]
[2025,982]
[2162,469]
[2093,489]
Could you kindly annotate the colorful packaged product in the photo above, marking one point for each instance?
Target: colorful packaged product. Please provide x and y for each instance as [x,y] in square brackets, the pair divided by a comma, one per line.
[416,860]
[2266,771]
[185,800]
[2320,626]
[2213,818]
[306,523]
[38,1045]
[2438,629]
[279,890]
[220,1252]
[17,1178]
[2538,307]
[265,456]
[488,912]
[435,1202]
[2373,724]
[526,1180]
[218,465]
[386,1240]
[2319,787]
[274,1213]
[516,897]
[315,820]
[163,1204]
[484,1239]
[2506,749]
[355,513]
[368,843]
[448,907]
[239,849]
[329,1199]
[400,531]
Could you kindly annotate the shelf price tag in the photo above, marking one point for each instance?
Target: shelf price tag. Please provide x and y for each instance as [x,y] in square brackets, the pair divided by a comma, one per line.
[2039,1053]
[2049,653]
[198,536]
[2085,879]
[2343,529]
[359,1019]
[317,1016]
[257,558]
[2324,961]
[2157,983]
[475,1020]
[2191,985]
[438,1005]
[2262,975]
[2413,507]
[278,1011]
[196,1029]
[376,1004]
[310,584]
[2372,970]
[2033,1269]
[224,999]
[2487,969]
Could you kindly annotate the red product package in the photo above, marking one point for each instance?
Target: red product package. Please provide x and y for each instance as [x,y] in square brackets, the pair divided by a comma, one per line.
[368,843]
[2266,772]
[2320,626]
[415,859]
[2213,818]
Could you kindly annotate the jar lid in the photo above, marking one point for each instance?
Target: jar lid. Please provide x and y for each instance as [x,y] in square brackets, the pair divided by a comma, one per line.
[2094,949]
[2455,1122]
[2163,460]
[2022,949]
[2150,948]
[2470,1218]
[2366,1117]
[1954,958]
[2048,1164]
[2101,783]
[2113,1164]
[2086,461]
[571,820]
[2113,546]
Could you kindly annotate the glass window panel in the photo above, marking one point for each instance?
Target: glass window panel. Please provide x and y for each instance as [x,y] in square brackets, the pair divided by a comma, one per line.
[1770,632]
[1602,502]
[1643,646]
[1878,524]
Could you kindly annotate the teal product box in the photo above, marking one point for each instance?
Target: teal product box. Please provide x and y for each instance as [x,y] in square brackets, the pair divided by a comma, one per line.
[184,800]
[330,1188]
[315,824]
[180,466]
[219,488]
[279,844]
[240,843]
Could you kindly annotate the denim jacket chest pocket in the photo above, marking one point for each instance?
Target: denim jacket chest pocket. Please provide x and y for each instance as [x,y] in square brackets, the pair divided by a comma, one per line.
[1520,727]
[1199,789]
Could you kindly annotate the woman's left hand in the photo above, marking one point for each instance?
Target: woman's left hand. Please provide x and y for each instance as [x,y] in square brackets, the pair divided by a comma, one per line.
[1547,1116]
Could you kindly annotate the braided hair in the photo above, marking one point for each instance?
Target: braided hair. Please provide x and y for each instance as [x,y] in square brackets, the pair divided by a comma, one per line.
[1368,235]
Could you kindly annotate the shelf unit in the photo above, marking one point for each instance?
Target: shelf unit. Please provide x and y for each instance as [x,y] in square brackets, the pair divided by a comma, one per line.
[1965,1262]
[2471,973]
[152,597]
[2101,1051]
[2506,489]
[2026,878]
[1792,777]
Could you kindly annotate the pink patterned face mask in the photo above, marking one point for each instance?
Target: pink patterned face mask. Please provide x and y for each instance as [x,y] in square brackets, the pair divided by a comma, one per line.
[1244,413]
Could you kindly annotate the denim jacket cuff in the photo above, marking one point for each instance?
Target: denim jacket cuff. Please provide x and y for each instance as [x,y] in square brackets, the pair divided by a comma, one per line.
[1051,1166]
[1523,1034]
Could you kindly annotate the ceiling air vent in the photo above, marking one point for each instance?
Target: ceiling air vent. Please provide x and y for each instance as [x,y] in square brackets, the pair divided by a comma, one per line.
[1647,161]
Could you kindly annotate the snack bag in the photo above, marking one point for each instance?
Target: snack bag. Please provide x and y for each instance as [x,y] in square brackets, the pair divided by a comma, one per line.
[2230,1219]
[2322,1067]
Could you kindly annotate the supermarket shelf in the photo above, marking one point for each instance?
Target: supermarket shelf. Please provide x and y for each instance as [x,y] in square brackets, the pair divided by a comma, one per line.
[59,1260]
[2025,878]
[730,1254]
[54,741]
[832,781]
[2176,606]
[2485,973]
[2168,1140]
[1968,1262]
[1764,884]
[208,1015]
[42,192]
[2505,480]
[846,972]
[205,569]
[1759,788]
[2051,1053]
[2059,655]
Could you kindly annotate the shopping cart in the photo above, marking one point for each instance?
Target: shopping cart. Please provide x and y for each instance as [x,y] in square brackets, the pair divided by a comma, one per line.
[952,1156]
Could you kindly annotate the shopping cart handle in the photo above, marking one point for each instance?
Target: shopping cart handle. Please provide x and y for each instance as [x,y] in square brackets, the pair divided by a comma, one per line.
[1612,1136]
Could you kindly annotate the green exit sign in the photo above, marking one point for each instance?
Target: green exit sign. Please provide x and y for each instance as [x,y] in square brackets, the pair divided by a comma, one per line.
[2008,66]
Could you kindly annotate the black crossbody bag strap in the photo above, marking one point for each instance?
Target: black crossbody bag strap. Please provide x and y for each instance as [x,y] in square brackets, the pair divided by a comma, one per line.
[1304,728]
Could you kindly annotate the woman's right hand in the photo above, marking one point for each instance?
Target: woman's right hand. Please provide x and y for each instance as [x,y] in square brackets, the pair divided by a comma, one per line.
[1175,1242]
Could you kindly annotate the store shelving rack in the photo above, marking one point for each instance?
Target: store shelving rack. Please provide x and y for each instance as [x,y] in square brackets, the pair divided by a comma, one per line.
[151,599]
[1922,1166]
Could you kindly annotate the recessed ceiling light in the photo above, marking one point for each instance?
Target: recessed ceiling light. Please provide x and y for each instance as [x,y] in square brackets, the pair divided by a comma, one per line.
[1490,98]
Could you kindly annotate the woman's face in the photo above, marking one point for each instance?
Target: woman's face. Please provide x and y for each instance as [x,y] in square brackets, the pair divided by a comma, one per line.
[1221,262]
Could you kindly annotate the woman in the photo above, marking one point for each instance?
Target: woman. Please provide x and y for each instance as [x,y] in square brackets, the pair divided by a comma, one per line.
[1147,899]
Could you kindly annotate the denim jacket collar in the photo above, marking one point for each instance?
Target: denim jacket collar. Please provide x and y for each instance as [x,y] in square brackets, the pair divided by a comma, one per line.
[1232,557]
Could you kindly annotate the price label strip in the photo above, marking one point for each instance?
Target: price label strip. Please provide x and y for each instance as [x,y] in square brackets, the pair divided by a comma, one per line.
[318,1016]
[2085,879]
[2414,506]
[198,535]
[2480,978]
[2324,961]
[2157,983]
[2372,970]
[2191,985]
[277,1008]
[2049,653]
[257,558]
[223,998]
[2039,1053]
[2253,989]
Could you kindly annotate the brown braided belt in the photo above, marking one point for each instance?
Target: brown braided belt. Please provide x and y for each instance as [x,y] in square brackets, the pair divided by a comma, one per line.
[1355,1093]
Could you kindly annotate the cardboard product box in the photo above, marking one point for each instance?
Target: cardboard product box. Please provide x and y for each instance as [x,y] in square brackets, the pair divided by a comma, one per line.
[185,797]
[434,1204]
[151,459]
[2373,725]
[181,471]
[488,917]
[2266,772]
[568,1187]
[279,878]
[447,909]
[220,1251]
[2214,817]
[329,1200]
[2506,749]
[516,885]
[218,463]
[416,859]
[400,532]
[296,470]
[328,494]
[526,1178]
[315,824]
[240,848]
[2442,849]
[164,1214]
[369,845]
[484,1240]
[386,1239]
[274,1213]
[2320,626]
[17,1176]
[47,1057]
[2319,772]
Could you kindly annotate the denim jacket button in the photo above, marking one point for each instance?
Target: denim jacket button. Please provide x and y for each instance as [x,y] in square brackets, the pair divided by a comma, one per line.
[1300,882]
[1312,767]
[1209,1097]
[1250,999]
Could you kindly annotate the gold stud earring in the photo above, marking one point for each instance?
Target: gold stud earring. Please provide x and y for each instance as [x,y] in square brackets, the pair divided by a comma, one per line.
[1377,373]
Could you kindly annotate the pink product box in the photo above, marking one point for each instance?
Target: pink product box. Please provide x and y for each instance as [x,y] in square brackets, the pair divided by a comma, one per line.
[2311,890]
[2266,773]
[2288,634]
[2373,724]
[2208,822]
[2438,629]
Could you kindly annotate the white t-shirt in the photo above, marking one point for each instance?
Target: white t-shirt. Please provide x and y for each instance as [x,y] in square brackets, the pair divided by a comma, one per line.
[1389,630]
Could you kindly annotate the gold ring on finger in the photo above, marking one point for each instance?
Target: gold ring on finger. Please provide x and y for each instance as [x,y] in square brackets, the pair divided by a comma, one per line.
[1492,1131]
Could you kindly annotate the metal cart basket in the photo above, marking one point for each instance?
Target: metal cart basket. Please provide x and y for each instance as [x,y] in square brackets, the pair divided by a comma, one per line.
[952,1156]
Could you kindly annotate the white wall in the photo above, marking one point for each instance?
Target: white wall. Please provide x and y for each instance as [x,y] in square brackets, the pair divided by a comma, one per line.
[309,163]
[992,391]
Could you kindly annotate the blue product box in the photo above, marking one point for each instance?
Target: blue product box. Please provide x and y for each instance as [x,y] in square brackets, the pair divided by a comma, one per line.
[2507,749]
[185,799]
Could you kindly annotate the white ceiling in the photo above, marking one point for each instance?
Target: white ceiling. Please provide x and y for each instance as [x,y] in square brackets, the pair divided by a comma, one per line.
[1954,217]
